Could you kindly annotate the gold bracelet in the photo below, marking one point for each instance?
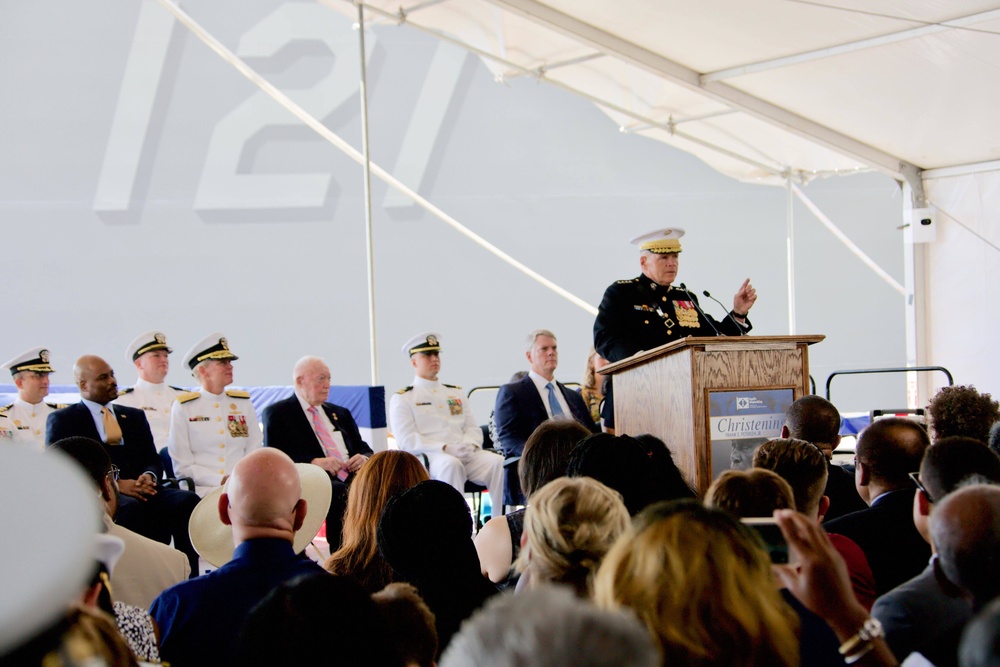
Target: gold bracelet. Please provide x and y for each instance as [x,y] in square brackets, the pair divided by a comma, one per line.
[870,629]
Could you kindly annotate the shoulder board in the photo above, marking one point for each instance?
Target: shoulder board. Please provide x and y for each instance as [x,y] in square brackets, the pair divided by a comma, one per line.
[404,390]
[237,393]
[57,406]
[126,391]
[177,388]
[188,396]
[6,408]
[626,282]
[451,386]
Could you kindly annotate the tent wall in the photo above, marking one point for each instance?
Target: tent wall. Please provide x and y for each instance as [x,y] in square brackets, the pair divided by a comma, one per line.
[963,278]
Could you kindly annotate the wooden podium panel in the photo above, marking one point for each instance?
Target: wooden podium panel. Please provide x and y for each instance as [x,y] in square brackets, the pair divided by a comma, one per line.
[665,391]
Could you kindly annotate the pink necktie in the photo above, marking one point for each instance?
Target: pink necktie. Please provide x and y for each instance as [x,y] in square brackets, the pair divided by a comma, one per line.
[328,445]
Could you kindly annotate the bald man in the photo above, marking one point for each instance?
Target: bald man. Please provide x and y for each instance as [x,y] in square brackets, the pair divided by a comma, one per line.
[145,507]
[310,429]
[200,619]
[965,528]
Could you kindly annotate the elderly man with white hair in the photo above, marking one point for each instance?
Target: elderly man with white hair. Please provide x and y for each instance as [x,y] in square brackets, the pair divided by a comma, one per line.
[310,429]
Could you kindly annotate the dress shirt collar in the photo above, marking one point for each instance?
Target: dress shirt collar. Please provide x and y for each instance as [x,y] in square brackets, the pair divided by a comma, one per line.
[95,408]
[305,405]
[430,384]
[24,404]
[540,382]
[217,397]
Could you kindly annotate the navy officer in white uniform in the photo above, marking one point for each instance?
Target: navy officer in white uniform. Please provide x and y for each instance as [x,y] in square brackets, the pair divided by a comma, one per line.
[25,424]
[213,429]
[149,354]
[434,419]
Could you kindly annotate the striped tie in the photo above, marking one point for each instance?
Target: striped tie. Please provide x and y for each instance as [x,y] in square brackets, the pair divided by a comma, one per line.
[328,445]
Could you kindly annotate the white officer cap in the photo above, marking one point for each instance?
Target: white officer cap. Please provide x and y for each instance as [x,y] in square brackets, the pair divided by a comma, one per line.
[428,341]
[213,346]
[36,359]
[146,342]
[661,241]
[42,582]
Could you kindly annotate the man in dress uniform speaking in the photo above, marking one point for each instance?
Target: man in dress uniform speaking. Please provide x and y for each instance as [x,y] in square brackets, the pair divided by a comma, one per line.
[649,311]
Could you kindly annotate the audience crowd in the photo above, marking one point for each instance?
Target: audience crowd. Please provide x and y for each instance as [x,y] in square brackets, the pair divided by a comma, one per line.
[602,553]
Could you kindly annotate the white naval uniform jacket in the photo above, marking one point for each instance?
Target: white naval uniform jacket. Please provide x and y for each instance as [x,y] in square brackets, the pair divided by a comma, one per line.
[429,415]
[28,422]
[156,402]
[210,434]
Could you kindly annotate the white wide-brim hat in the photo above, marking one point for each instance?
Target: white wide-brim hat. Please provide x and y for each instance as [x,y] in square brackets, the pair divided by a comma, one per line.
[213,540]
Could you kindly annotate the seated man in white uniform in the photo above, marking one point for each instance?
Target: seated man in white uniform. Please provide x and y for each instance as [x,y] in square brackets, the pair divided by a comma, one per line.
[213,429]
[434,419]
[150,355]
[25,423]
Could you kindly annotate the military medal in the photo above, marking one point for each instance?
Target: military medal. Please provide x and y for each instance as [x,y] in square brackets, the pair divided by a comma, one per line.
[238,427]
[687,315]
[455,405]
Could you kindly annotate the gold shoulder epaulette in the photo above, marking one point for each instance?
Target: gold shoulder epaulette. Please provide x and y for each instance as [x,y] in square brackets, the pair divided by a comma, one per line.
[126,391]
[405,389]
[237,393]
[180,389]
[188,396]
[451,386]
[6,408]
[57,406]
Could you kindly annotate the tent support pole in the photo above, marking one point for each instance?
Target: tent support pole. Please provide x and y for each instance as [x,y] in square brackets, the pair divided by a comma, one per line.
[790,255]
[368,197]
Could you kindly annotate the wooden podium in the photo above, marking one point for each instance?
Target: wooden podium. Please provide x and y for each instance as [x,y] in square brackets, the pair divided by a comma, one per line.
[666,391]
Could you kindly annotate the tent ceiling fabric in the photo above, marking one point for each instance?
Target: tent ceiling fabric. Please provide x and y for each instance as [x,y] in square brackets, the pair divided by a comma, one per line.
[759,90]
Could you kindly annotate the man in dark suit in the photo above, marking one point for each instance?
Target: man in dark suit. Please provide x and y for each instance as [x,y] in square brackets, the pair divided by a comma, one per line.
[145,507]
[311,430]
[521,406]
[887,452]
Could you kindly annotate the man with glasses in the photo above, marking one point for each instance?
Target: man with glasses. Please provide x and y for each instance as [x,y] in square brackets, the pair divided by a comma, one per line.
[887,451]
[146,568]
[27,414]
[922,615]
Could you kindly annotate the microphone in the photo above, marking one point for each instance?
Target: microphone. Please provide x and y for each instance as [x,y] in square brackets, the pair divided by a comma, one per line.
[698,308]
[729,313]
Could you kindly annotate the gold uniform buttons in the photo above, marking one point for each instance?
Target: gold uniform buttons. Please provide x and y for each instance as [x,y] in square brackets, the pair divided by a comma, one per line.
[646,322]
[221,431]
[218,419]
[664,298]
[216,405]
[222,460]
[222,445]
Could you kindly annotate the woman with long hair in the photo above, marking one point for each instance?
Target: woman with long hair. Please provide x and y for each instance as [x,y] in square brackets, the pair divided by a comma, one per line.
[703,587]
[386,474]
[592,388]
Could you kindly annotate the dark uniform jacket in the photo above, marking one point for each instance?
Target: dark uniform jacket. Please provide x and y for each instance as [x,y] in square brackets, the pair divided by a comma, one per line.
[639,314]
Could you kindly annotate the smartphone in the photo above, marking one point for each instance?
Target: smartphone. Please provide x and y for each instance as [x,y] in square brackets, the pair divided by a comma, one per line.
[770,535]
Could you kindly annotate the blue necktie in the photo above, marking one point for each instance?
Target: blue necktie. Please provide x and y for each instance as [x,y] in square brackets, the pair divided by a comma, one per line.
[553,403]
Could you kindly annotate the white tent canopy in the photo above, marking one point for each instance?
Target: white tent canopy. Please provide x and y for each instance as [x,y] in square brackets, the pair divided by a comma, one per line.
[782,91]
